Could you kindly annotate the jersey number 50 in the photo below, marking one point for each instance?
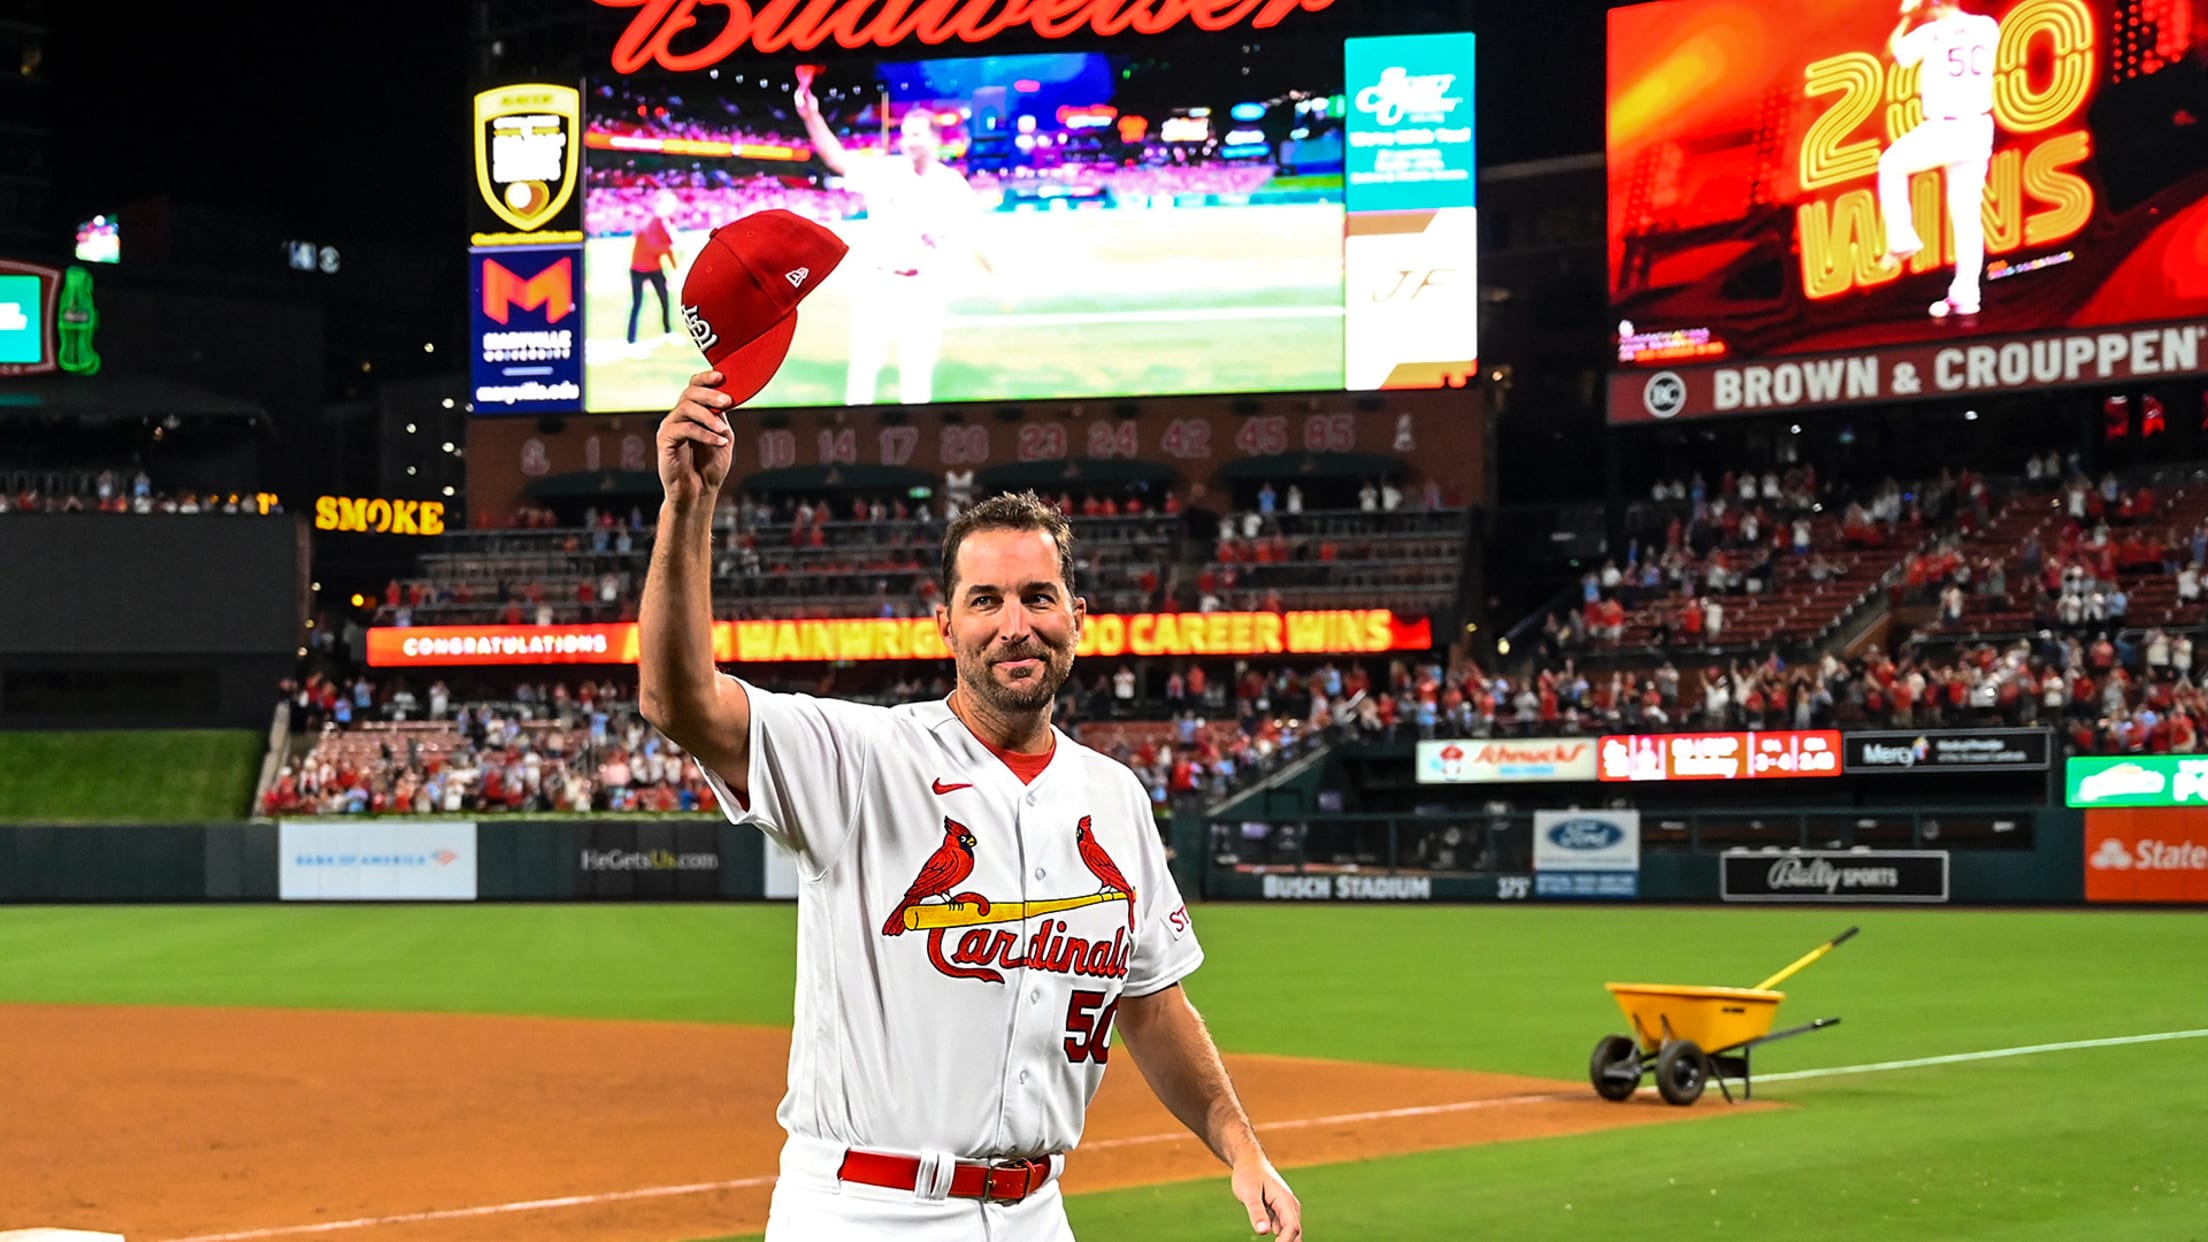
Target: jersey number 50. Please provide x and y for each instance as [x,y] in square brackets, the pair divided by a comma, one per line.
[1089,1028]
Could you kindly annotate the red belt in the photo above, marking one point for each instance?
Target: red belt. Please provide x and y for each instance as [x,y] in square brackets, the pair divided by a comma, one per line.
[1004,1181]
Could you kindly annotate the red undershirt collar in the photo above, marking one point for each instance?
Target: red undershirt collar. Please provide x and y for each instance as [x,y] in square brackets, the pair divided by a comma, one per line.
[1026,767]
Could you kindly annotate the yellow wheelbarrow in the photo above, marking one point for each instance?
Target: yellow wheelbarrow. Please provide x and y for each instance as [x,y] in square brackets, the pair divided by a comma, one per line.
[1686,1036]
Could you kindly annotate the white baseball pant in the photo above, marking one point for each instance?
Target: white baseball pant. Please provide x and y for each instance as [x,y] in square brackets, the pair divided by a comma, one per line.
[1963,147]
[907,311]
[811,1204]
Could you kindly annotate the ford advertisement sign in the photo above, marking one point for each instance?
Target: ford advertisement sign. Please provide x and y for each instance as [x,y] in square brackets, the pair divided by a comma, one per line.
[1580,854]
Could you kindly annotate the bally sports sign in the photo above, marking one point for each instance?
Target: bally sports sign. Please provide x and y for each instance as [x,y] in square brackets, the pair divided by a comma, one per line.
[1497,762]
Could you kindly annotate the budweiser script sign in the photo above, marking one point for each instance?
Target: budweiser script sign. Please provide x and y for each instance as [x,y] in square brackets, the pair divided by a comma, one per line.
[802,25]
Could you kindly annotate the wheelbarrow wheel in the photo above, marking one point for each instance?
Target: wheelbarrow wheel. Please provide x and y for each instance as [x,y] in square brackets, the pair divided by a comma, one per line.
[1615,1068]
[1682,1070]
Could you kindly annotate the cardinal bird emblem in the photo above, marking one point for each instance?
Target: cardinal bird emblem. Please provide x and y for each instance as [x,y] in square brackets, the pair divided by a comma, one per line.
[1101,866]
[946,869]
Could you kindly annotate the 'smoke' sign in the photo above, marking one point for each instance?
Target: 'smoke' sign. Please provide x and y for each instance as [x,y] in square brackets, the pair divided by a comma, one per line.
[802,25]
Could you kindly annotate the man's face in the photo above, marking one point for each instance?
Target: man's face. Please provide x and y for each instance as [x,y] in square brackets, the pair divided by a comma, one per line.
[1010,623]
[917,139]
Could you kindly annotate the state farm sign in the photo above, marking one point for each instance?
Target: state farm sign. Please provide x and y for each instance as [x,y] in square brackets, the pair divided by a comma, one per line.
[1496,762]
[2140,855]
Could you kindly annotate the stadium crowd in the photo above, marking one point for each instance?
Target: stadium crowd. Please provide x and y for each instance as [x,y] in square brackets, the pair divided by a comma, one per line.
[791,556]
[113,490]
[389,744]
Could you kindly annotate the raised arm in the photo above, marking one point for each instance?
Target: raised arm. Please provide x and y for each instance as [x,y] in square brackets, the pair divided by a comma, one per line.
[1901,28]
[824,140]
[1181,1063]
[681,693]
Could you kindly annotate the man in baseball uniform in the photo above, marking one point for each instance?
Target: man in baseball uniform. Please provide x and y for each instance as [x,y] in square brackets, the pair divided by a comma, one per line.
[1953,52]
[982,900]
[921,221]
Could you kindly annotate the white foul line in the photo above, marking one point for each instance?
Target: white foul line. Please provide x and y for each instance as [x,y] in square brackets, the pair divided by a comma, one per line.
[1300,1123]
[1995,1054]
[495,1209]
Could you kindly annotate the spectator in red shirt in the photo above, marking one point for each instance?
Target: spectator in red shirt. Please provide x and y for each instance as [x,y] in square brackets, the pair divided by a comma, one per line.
[650,259]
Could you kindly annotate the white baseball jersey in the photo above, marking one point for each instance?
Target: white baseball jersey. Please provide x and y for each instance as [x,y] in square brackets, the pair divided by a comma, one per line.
[917,219]
[963,939]
[1956,55]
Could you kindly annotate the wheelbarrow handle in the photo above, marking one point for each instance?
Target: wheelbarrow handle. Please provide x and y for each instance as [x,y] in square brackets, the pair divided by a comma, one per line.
[1805,959]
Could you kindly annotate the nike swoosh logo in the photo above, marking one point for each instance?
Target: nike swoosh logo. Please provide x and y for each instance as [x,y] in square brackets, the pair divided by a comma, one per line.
[942,788]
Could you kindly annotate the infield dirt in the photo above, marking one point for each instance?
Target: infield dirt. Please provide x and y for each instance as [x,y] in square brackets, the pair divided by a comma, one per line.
[165,1123]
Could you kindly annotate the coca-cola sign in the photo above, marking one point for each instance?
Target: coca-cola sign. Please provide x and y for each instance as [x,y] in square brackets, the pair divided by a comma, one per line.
[1834,876]
[674,36]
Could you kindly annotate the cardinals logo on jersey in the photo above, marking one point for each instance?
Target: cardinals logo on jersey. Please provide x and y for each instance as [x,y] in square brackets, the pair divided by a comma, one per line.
[989,934]
[945,870]
[1101,866]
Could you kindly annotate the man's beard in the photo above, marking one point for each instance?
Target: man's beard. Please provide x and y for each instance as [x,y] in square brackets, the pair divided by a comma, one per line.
[976,672]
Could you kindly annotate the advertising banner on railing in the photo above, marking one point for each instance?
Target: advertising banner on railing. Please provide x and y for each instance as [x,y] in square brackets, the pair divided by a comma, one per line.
[1339,632]
[2136,780]
[1720,756]
[1525,760]
[1587,854]
[1834,876]
[376,860]
[1955,750]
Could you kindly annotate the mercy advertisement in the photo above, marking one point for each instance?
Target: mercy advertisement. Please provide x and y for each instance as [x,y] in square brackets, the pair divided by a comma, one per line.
[1826,202]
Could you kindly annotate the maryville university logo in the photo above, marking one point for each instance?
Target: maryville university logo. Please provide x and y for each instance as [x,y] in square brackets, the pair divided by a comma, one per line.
[935,904]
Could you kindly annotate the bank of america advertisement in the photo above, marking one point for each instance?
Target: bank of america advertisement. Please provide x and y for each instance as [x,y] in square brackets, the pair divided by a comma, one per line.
[376,860]
[1819,202]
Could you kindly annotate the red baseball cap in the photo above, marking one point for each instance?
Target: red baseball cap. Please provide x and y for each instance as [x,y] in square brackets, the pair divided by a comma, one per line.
[740,299]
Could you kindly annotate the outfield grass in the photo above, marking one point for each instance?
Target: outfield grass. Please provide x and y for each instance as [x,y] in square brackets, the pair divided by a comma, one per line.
[2086,1144]
[129,775]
